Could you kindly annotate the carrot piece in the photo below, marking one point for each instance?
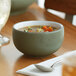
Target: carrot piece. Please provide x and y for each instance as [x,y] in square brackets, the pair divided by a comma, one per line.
[44,27]
[30,31]
[50,29]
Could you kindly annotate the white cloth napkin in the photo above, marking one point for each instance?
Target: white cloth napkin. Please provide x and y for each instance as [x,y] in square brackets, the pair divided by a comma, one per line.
[33,71]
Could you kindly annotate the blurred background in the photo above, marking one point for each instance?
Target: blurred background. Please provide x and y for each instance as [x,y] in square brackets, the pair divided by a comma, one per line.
[58,13]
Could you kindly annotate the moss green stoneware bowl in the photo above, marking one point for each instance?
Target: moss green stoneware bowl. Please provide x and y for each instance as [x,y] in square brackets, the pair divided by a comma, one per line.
[38,44]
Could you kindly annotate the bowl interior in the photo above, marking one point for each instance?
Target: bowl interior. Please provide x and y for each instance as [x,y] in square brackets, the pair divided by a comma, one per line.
[37,23]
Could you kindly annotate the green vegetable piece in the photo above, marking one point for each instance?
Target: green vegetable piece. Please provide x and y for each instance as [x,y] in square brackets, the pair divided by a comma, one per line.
[40,26]
[25,30]
[29,28]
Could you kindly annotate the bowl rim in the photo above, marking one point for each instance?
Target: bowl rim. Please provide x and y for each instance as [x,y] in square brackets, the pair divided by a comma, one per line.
[61,26]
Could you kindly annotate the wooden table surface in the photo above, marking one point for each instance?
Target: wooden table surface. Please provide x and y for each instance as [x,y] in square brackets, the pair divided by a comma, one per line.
[11,59]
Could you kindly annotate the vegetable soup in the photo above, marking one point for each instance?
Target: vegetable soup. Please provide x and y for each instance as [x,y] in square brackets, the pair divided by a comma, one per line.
[38,29]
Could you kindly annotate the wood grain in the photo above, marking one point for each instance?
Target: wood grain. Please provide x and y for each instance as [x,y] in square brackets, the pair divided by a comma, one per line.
[13,59]
[67,6]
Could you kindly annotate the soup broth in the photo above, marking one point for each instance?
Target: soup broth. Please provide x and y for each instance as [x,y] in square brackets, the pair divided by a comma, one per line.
[38,29]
